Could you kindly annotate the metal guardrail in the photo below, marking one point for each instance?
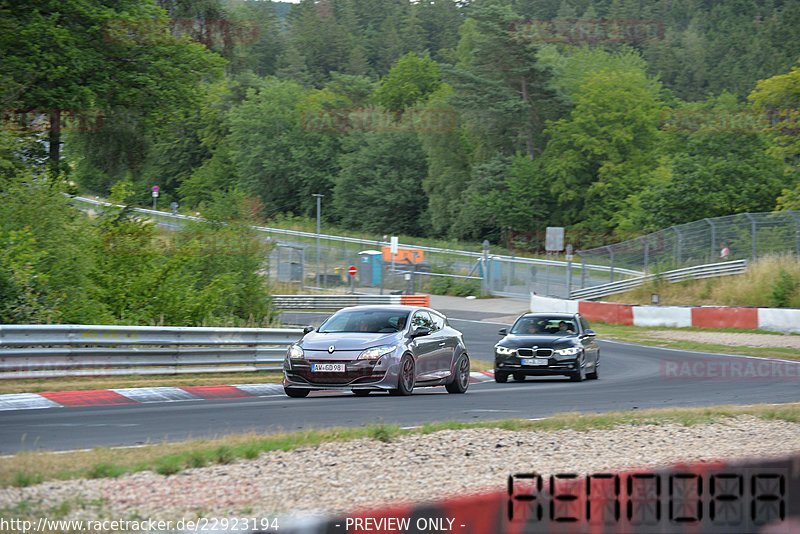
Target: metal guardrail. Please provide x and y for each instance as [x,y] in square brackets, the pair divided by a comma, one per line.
[335,302]
[31,351]
[678,275]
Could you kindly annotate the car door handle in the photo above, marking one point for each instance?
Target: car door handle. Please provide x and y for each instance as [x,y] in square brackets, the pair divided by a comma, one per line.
[442,344]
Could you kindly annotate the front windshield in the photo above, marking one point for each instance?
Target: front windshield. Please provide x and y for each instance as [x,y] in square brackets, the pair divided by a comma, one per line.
[369,321]
[542,325]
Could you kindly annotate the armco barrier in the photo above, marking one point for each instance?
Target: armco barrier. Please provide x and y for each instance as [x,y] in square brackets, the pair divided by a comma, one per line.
[335,302]
[758,496]
[40,351]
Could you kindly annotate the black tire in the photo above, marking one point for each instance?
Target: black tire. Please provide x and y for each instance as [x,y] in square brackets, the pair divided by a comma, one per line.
[296,393]
[460,381]
[500,377]
[580,374]
[519,377]
[594,374]
[361,392]
[406,377]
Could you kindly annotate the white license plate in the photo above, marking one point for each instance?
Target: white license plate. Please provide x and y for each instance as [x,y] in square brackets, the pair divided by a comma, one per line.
[534,361]
[328,367]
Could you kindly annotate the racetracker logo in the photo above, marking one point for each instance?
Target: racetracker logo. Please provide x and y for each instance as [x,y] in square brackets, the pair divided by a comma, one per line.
[52,120]
[785,121]
[207,32]
[586,31]
[378,120]
[729,369]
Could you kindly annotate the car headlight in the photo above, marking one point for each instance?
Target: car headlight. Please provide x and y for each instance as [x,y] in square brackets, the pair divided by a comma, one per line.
[295,352]
[569,351]
[504,351]
[376,352]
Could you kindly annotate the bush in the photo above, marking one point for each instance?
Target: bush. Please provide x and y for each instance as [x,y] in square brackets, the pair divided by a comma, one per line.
[59,266]
[782,290]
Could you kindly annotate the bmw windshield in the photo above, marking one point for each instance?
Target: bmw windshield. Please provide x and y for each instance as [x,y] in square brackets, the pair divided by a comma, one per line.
[544,325]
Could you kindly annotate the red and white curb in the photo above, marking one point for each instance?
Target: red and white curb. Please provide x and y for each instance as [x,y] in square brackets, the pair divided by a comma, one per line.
[119,396]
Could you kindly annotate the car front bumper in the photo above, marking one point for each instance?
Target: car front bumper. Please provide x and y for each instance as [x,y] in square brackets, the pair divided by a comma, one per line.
[565,366]
[358,374]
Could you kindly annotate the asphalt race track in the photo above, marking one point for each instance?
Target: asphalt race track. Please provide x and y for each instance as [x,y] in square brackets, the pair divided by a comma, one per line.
[631,377]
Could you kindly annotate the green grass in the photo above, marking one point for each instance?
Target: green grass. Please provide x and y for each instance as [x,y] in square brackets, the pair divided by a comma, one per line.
[766,279]
[28,468]
[643,336]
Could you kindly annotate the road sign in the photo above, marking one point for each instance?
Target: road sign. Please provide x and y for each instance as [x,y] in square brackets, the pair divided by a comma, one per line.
[554,239]
[352,270]
[155,189]
[394,244]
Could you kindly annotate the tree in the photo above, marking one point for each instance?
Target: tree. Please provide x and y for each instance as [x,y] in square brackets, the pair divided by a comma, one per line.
[500,85]
[411,80]
[280,155]
[379,186]
[715,174]
[319,39]
[778,100]
[46,248]
[602,154]
[99,56]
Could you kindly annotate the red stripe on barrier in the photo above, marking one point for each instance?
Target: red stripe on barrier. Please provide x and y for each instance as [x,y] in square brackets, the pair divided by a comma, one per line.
[216,392]
[101,397]
[416,300]
[606,312]
[724,317]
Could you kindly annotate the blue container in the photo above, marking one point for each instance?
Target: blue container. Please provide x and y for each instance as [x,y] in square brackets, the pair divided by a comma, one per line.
[370,263]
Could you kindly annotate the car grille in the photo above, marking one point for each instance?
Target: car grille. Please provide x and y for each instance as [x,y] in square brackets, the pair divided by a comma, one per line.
[539,353]
[302,371]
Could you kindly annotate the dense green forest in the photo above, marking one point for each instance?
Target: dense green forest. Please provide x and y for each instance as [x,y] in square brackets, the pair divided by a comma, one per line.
[451,119]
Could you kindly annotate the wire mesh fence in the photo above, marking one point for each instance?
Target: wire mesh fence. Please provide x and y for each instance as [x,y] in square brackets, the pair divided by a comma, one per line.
[464,272]
[743,236]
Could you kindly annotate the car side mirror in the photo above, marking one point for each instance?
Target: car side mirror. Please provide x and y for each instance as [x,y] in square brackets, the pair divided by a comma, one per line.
[589,333]
[307,329]
[419,331]
[503,331]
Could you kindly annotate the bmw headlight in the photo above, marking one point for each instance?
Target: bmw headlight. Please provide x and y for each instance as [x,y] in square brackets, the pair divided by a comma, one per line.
[504,351]
[295,352]
[569,351]
[376,352]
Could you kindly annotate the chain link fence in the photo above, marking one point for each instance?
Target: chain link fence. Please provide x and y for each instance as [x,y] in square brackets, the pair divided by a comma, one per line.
[743,236]
[453,272]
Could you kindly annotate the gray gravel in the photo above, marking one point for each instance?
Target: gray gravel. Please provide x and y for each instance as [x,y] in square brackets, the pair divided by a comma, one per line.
[341,477]
[733,339]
